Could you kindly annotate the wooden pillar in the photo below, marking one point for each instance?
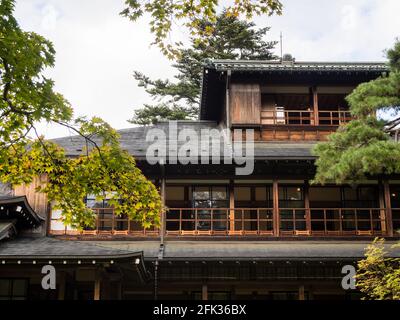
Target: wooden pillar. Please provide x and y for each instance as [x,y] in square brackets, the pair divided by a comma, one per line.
[389,222]
[307,205]
[61,286]
[382,211]
[275,200]
[315,105]
[231,206]
[302,295]
[97,287]
[204,292]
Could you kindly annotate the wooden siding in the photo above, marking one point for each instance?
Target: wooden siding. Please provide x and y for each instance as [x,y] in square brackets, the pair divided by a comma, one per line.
[245,104]
[287,133]
[295,134]
[37,200]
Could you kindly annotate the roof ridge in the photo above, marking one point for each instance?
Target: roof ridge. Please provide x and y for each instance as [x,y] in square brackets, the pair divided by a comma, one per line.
[298,62]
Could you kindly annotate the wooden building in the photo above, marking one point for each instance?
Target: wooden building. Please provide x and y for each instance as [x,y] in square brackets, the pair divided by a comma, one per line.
[268,235]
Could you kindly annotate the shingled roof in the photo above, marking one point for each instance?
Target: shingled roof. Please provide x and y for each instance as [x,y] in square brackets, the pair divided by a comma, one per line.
[134,141]
[242,250]
[50,248]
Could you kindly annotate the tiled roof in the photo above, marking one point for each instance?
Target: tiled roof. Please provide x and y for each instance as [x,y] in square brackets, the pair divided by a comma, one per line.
[260,65]
[7,229]
[25,250]
[50,248]
[134,141]
[20,209]
[232,250]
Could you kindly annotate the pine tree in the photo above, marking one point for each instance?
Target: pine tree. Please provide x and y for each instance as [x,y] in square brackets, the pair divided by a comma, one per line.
[179,99]
[365,146]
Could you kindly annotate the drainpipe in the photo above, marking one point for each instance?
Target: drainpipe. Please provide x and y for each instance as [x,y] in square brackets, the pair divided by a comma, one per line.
[156,280]
[160,255]
[162,191]
[227,103]
[227,98]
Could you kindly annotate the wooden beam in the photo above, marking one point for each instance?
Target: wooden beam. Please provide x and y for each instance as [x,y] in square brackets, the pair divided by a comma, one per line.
[389,221]
[275,200]
[315,105]
[204,292]
[231,206]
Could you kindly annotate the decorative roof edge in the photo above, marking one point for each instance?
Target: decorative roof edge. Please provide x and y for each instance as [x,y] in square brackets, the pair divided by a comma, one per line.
[24,200]
[261,65]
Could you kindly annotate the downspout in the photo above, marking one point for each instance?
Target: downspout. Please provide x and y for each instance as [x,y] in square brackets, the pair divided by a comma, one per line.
[162,191]
[160,255]
[156,280]
[227,100]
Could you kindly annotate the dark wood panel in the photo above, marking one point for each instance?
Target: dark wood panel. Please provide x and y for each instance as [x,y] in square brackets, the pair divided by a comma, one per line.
[245,104]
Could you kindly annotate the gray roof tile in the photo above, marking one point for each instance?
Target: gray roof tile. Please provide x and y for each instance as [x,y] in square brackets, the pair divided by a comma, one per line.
[221,250]
[134,141]
[46,248]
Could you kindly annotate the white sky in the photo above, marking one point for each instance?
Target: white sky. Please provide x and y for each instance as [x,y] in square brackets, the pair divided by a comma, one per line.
[98,50]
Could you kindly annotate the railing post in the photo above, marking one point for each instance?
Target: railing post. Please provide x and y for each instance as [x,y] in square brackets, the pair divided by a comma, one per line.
[231,206]
[113,221]
[325,223]
[356,219]
[195,221]
[242,221]
[180,221]
[382,211]
[97,221]
[212,220]
[389,221]
[275,200]
[315,105]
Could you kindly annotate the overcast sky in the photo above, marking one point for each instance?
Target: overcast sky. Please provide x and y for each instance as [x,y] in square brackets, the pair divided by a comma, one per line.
[98,50]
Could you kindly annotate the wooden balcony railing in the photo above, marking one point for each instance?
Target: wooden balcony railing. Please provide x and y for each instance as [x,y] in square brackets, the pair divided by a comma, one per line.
[305,117]
[109,224]
[319,222]
[396,220]
[260,221]
[332,221]
[219,221]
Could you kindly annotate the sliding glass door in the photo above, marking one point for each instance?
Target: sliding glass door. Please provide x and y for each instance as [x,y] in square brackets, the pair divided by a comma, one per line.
[210,198]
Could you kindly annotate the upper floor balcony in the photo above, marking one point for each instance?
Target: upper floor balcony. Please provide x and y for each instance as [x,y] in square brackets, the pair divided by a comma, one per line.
[290,101]
[289,113]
